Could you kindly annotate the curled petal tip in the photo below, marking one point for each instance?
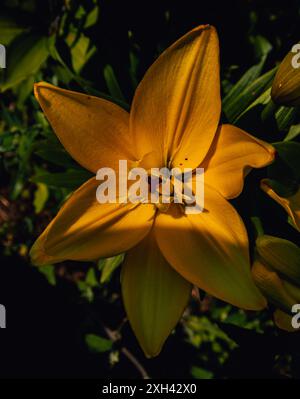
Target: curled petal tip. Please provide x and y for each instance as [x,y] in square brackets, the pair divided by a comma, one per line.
[272,151]
[264,185]
[38,86]
[35,89]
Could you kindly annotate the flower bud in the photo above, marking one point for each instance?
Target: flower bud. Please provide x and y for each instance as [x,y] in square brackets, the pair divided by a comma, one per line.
[281,255]
[271,286]
[276,272]
[286,85]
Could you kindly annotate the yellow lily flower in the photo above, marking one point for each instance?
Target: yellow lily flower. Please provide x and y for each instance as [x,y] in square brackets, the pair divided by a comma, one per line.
[290,204]
[276,272]
[174,117]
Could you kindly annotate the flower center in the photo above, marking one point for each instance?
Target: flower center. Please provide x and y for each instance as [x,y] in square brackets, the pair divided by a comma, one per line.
[166,189]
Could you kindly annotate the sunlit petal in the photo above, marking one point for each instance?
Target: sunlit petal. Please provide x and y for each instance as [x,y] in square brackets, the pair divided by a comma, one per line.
[94,131]
[210,250]
[231,156]
[86,230]
[176,108]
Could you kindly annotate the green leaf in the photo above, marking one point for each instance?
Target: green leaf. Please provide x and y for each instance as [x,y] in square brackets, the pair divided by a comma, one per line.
[26,145]
[108,266]
[23,91]
[202,374]
[262,46]
[49,272]
[293,132]
[41,196]
[17,185]
[91,278]
[240,86]
[263,99]
[238,318]
[60,47]
[281,177]
[25,56]
[81,51]
[246,97]
[112,83]
[85,85]
[9,29]
[231,105]
[201,329]
[289,151]
[98,344]
[92,17]
[86,290]
[285,117]
[133,66]
[54,152]
[71,179]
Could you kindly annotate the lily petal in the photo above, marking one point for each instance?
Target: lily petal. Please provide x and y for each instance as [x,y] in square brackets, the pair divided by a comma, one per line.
[94,131]
[290,204]
[154,295]
[210,250]
[231,156]
[86,230]
[176,107]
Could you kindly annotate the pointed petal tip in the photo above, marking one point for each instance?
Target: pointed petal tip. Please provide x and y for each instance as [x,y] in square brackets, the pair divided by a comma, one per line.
[37,254]
[258,302]
[151,349]
[153,354]
[189,72]
[270,150]
[36,89]
[154,295]
[265,185]
[41,85]
[37,85]
[203,27]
